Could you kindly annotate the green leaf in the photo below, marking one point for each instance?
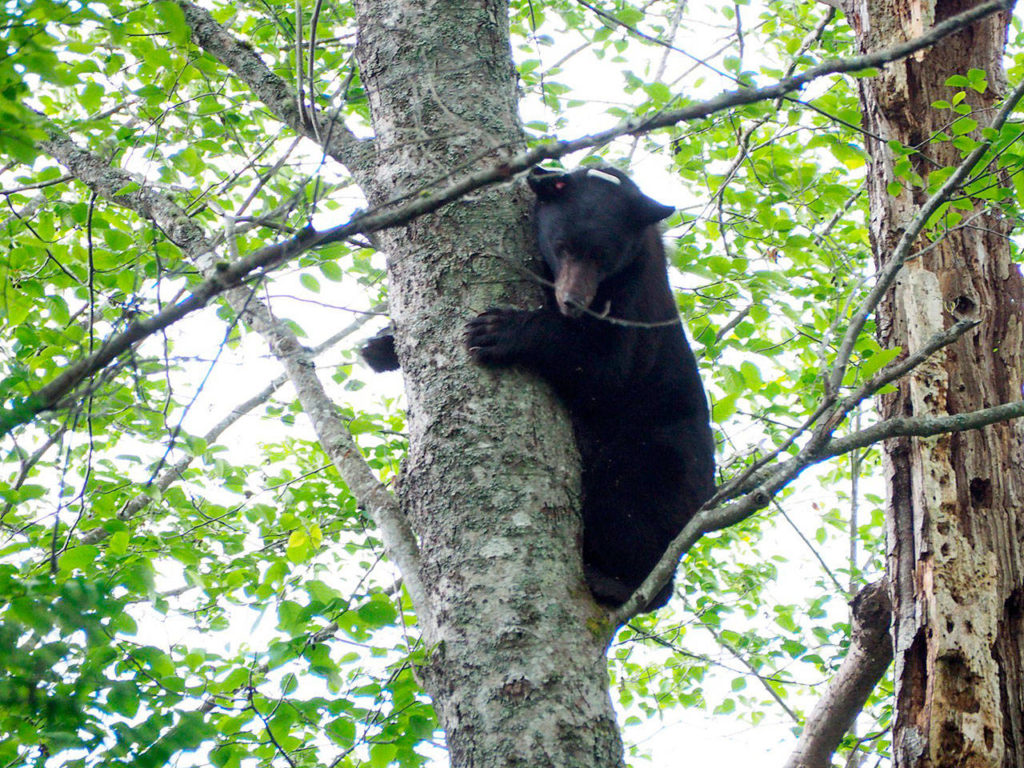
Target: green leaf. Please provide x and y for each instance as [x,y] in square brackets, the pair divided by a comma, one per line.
[964,125]
[173,18]
[381,755]
[78,558]
[123,698]
[879,360]
[658,92]
[298,548]
[724,408]
[378,612]
[128,188]
[978,80]
[332,271]
[118,542]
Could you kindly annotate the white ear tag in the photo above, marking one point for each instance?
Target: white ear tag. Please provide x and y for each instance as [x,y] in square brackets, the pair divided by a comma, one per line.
[603,175]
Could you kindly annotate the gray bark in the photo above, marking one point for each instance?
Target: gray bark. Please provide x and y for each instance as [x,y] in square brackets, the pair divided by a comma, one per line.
[956,560]
[491,480]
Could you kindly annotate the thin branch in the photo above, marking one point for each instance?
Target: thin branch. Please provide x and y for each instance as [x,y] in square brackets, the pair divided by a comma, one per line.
[902,250]
[897,370]
[743,142]
[259,262]
[810,546]
[923,426]
[753,670]
[659,74]
[30,461]
[657,639]
[175,471]
[651,39]
[355,154]
[735,320]
[332,433]
[856,459]
[868,657]
[250,695]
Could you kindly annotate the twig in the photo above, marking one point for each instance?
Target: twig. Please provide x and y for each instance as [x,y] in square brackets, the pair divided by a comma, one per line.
[807,542]
[753,670]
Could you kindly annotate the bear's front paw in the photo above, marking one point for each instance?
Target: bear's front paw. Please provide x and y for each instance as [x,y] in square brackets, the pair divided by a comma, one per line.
[491,337]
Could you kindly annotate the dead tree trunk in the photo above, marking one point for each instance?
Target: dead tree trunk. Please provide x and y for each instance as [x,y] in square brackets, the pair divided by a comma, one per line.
[490,484]
[956,502]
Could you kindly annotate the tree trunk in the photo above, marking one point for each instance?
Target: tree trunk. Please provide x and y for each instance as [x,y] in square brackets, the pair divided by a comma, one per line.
[491,480]
[956,512]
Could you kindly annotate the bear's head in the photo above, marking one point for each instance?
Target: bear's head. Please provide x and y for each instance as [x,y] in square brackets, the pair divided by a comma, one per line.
[591,225]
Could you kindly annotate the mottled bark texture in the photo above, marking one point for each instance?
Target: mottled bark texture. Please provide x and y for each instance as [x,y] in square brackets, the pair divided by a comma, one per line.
[956,516]
[516,666]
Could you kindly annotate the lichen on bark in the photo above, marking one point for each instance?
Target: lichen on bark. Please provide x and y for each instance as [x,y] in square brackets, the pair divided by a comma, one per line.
[490,484]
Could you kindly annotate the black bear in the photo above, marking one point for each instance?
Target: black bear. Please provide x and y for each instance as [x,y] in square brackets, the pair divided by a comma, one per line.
[609,341]
[379,351]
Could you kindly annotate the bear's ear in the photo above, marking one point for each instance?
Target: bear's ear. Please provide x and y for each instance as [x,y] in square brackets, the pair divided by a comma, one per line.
[547,185]
[649,211]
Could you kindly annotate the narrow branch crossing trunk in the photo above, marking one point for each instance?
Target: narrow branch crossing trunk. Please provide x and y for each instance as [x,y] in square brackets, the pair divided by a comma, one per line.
[956,514]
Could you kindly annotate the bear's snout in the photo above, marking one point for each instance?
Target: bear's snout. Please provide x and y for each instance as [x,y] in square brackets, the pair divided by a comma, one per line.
[575,286]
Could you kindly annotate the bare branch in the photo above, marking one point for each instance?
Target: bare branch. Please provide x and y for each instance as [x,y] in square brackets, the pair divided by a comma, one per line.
[339,142]
[896,370]
[332,433]
[234,274]
[867,659]
[923,426]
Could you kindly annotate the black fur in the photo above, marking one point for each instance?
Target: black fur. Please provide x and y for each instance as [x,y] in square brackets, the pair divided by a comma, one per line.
[379,351]
[634,394]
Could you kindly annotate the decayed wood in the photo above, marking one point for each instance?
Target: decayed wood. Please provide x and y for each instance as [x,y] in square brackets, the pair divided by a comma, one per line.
[955,518]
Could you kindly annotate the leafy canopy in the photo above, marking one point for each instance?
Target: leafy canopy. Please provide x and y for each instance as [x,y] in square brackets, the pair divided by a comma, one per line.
[178,591]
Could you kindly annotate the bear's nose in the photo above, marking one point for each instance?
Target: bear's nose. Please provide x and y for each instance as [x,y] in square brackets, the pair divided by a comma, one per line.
[571,306]
[575,286]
